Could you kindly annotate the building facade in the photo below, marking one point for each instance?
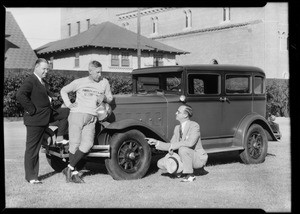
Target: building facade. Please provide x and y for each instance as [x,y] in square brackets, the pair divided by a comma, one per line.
[255,36]
[114,46]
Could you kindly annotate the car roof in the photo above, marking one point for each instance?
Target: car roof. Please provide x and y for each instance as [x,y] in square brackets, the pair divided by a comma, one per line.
[204,67]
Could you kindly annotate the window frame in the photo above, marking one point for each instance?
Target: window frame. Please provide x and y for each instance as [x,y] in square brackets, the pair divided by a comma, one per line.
[219,77]
[78,27]
[158,62]
[125,58]
[69,29]
[88,23]
[263,84]
[77,60]
[250,82]
[114,60]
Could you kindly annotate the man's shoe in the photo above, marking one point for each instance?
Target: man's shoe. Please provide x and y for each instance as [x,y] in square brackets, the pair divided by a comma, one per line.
[62,142]
[179,175]
[35,182]
[68,173]
[77,179]
[189,178]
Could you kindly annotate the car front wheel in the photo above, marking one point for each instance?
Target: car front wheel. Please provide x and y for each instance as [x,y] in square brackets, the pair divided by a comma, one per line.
[255,144]
[130,156]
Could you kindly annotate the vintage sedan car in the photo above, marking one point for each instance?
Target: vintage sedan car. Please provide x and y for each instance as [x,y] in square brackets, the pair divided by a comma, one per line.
[229,103]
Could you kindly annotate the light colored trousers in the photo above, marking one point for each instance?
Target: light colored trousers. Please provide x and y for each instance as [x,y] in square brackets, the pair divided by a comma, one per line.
[190,158]
[81,131]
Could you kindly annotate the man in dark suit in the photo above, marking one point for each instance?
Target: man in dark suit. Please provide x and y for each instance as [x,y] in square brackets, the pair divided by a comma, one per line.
[35,98]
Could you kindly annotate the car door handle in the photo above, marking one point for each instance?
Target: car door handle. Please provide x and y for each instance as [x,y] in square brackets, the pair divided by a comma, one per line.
[223,99]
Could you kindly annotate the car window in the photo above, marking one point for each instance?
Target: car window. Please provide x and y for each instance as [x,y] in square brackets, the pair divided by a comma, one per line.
[203,84]
[258,85]
[173,83]
[168,82]
[237,84]
[147,84]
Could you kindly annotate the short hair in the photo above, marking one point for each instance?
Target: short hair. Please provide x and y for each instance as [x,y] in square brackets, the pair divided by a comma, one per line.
[96,64]
[188,109]
[39,61]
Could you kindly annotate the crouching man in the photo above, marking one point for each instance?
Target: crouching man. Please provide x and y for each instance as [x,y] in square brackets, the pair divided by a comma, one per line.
[186,139]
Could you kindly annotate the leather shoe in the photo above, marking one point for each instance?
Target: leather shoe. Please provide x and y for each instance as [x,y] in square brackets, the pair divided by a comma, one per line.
[189,178]
[77,179]
[35,182]
[68,173]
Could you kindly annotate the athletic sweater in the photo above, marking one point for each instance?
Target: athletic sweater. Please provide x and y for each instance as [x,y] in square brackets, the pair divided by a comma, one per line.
[87,94]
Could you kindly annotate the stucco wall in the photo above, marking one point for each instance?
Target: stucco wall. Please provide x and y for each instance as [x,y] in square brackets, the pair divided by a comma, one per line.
[66,60]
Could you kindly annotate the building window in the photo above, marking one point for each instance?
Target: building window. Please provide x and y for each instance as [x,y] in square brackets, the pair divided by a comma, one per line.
[125,59]
[51,62]
[69,29]
[154,24]
[88,23]
[158,60]
[226,14]
[283,39]
[115,60]
[188,19]
[77,60]
[78,27]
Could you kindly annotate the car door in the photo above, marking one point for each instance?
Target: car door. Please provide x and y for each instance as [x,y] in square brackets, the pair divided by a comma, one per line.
[236,99]
[203,91]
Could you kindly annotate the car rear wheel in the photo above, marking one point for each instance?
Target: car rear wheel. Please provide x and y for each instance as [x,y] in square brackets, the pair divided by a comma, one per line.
[255,144]
[130,156]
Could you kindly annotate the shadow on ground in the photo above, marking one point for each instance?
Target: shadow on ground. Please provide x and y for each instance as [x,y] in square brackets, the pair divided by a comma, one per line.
[93,168]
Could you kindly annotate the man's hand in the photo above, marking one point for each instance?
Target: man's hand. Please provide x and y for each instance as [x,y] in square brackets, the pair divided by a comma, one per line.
[101,98]
[151,141]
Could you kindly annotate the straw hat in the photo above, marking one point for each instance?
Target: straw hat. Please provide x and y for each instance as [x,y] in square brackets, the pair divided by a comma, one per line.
[173,163]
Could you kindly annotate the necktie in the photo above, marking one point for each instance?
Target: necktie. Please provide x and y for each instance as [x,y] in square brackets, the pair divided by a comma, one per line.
[180,132]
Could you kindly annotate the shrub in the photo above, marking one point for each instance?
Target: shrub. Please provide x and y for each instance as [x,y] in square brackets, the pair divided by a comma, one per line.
[14,79]
[277,92]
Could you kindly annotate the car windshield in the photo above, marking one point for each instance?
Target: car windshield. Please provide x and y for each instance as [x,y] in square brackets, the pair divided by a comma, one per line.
[163,82]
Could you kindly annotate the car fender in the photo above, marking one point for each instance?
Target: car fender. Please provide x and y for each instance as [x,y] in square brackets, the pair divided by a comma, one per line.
[244,125]
[127,124]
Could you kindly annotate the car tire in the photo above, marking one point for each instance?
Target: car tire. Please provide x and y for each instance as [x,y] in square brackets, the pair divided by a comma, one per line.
[130,156]
[255,144]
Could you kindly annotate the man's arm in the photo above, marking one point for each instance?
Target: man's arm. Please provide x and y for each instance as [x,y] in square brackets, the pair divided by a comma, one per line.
[108,95]
[191,139]
[23,96]
[64,93]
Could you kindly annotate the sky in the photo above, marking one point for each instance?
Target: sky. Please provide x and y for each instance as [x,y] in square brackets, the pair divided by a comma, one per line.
[39,25]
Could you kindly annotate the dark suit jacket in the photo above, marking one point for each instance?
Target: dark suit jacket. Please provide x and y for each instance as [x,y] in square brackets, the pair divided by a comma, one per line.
[33,96]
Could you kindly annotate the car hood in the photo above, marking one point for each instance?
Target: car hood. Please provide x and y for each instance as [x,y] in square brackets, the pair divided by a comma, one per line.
[145,99]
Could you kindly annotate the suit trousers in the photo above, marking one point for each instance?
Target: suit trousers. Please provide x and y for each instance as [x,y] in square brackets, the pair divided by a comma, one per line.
[33,144]
[192,159]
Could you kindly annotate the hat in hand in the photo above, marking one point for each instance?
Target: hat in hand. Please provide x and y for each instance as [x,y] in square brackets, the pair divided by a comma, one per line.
[173,163]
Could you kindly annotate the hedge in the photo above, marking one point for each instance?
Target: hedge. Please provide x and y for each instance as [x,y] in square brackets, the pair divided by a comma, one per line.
[120,84]
[277,90]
